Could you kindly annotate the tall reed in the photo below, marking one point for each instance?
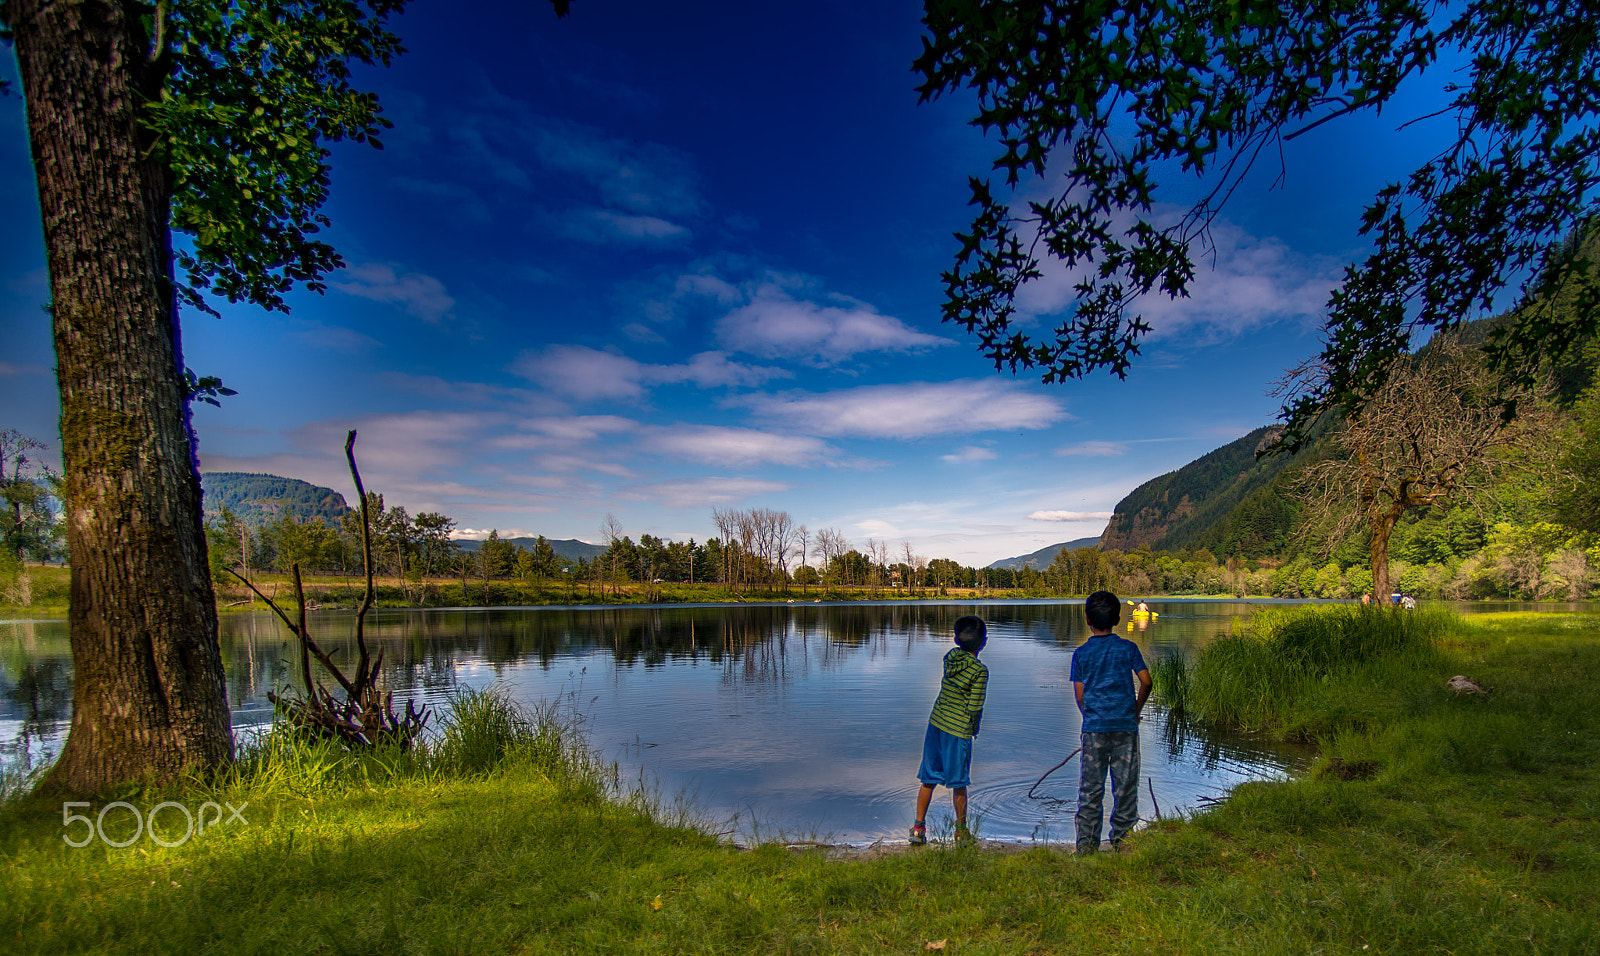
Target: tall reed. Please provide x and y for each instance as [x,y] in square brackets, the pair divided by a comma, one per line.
[1171,677]
[1254,680]
[482,732]
[486,730]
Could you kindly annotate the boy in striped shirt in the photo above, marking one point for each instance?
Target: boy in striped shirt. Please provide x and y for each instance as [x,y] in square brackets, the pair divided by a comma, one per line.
[947,747]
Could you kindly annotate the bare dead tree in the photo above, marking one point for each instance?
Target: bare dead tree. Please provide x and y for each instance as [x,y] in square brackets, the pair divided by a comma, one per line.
[364,715]
[831,545]
[759,523]
[783,544]
[1435,432]
[802,541]
[745,525]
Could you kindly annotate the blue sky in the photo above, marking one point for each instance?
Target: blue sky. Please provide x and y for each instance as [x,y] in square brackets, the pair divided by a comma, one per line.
[656,259]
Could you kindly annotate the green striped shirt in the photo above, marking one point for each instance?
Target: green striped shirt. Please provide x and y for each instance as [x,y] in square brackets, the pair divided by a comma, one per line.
[960,693]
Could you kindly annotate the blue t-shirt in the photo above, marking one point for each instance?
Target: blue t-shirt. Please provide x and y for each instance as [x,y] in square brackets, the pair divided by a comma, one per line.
[1105,665]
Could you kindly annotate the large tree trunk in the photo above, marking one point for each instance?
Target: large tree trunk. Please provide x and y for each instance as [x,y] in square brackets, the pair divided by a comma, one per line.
[1382,526]
[149,697]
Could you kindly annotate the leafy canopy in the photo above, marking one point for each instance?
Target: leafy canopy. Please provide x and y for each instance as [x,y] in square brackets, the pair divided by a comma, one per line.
[247,94]
[1115,91]
[255,90]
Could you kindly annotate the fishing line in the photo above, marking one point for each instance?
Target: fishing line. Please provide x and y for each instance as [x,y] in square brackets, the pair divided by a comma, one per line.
[1048,773]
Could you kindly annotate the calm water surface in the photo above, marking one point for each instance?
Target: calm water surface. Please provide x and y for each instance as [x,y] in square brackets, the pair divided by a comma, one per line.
[802,719]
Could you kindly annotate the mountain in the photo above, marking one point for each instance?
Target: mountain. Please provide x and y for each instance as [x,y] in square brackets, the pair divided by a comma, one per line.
[569,548]
[1041,558]
[1227,499]
[258,499]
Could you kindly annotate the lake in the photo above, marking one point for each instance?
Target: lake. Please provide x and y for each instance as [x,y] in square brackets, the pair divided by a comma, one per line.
[803,720]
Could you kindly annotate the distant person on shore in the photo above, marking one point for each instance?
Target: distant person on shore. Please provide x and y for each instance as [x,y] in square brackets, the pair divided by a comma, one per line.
[1366,598]
[957,712]
[1104,670]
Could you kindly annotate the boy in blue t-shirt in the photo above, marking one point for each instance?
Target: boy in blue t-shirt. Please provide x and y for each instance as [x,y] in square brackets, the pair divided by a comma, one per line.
[1103,672]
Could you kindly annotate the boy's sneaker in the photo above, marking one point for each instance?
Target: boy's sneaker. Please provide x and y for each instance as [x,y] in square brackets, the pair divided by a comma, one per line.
[919,834]
[963,835]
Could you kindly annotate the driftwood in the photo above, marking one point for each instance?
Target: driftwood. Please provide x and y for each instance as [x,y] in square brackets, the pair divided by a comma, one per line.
[363,715]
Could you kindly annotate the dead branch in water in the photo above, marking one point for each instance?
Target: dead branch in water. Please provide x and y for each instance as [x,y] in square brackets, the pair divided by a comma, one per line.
[364,715]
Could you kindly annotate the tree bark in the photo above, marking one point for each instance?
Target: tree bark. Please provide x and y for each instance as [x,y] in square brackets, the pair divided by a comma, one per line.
[149,697]
[1378,548]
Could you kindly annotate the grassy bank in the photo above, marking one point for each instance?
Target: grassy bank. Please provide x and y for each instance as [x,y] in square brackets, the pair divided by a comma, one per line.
[1446,825]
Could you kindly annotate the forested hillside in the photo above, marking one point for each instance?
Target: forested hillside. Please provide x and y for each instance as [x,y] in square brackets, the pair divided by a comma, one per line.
[1043,557]
[259,499]
[1230,485]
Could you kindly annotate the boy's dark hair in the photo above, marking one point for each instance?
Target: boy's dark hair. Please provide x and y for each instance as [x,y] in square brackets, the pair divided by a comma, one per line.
[1103,610]
[971,633]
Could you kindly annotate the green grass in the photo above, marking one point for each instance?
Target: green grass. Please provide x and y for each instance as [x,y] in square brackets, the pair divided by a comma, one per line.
[1307,672]
[1170,675]
[1446,825]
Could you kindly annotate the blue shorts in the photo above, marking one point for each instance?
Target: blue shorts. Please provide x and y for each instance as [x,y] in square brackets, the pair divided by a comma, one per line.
[946,759]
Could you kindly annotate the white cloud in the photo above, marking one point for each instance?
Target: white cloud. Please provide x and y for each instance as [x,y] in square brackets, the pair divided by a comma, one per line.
[8,369]
[469,393]
[773,324]
[1241,282]
[571,429]
[878,530]
[1070,515]
[971,453]
[605,225]
[1093,449]
[585,374]
[709,286]
[511,161]
[642,333]
[640,177]
[334,338]
[395,453]
[704,492]
[414,459]
[582,373]
[713,370]
[912,410]
[420,295]
[718,446]
[479,534]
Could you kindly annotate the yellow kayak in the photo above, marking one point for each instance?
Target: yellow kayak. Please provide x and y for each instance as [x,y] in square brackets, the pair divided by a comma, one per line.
[1137,615]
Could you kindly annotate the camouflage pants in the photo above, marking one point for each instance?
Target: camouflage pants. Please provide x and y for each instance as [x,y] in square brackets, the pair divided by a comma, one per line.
[1117,753]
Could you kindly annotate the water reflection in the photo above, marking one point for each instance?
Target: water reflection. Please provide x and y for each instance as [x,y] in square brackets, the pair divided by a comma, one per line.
[805,719]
